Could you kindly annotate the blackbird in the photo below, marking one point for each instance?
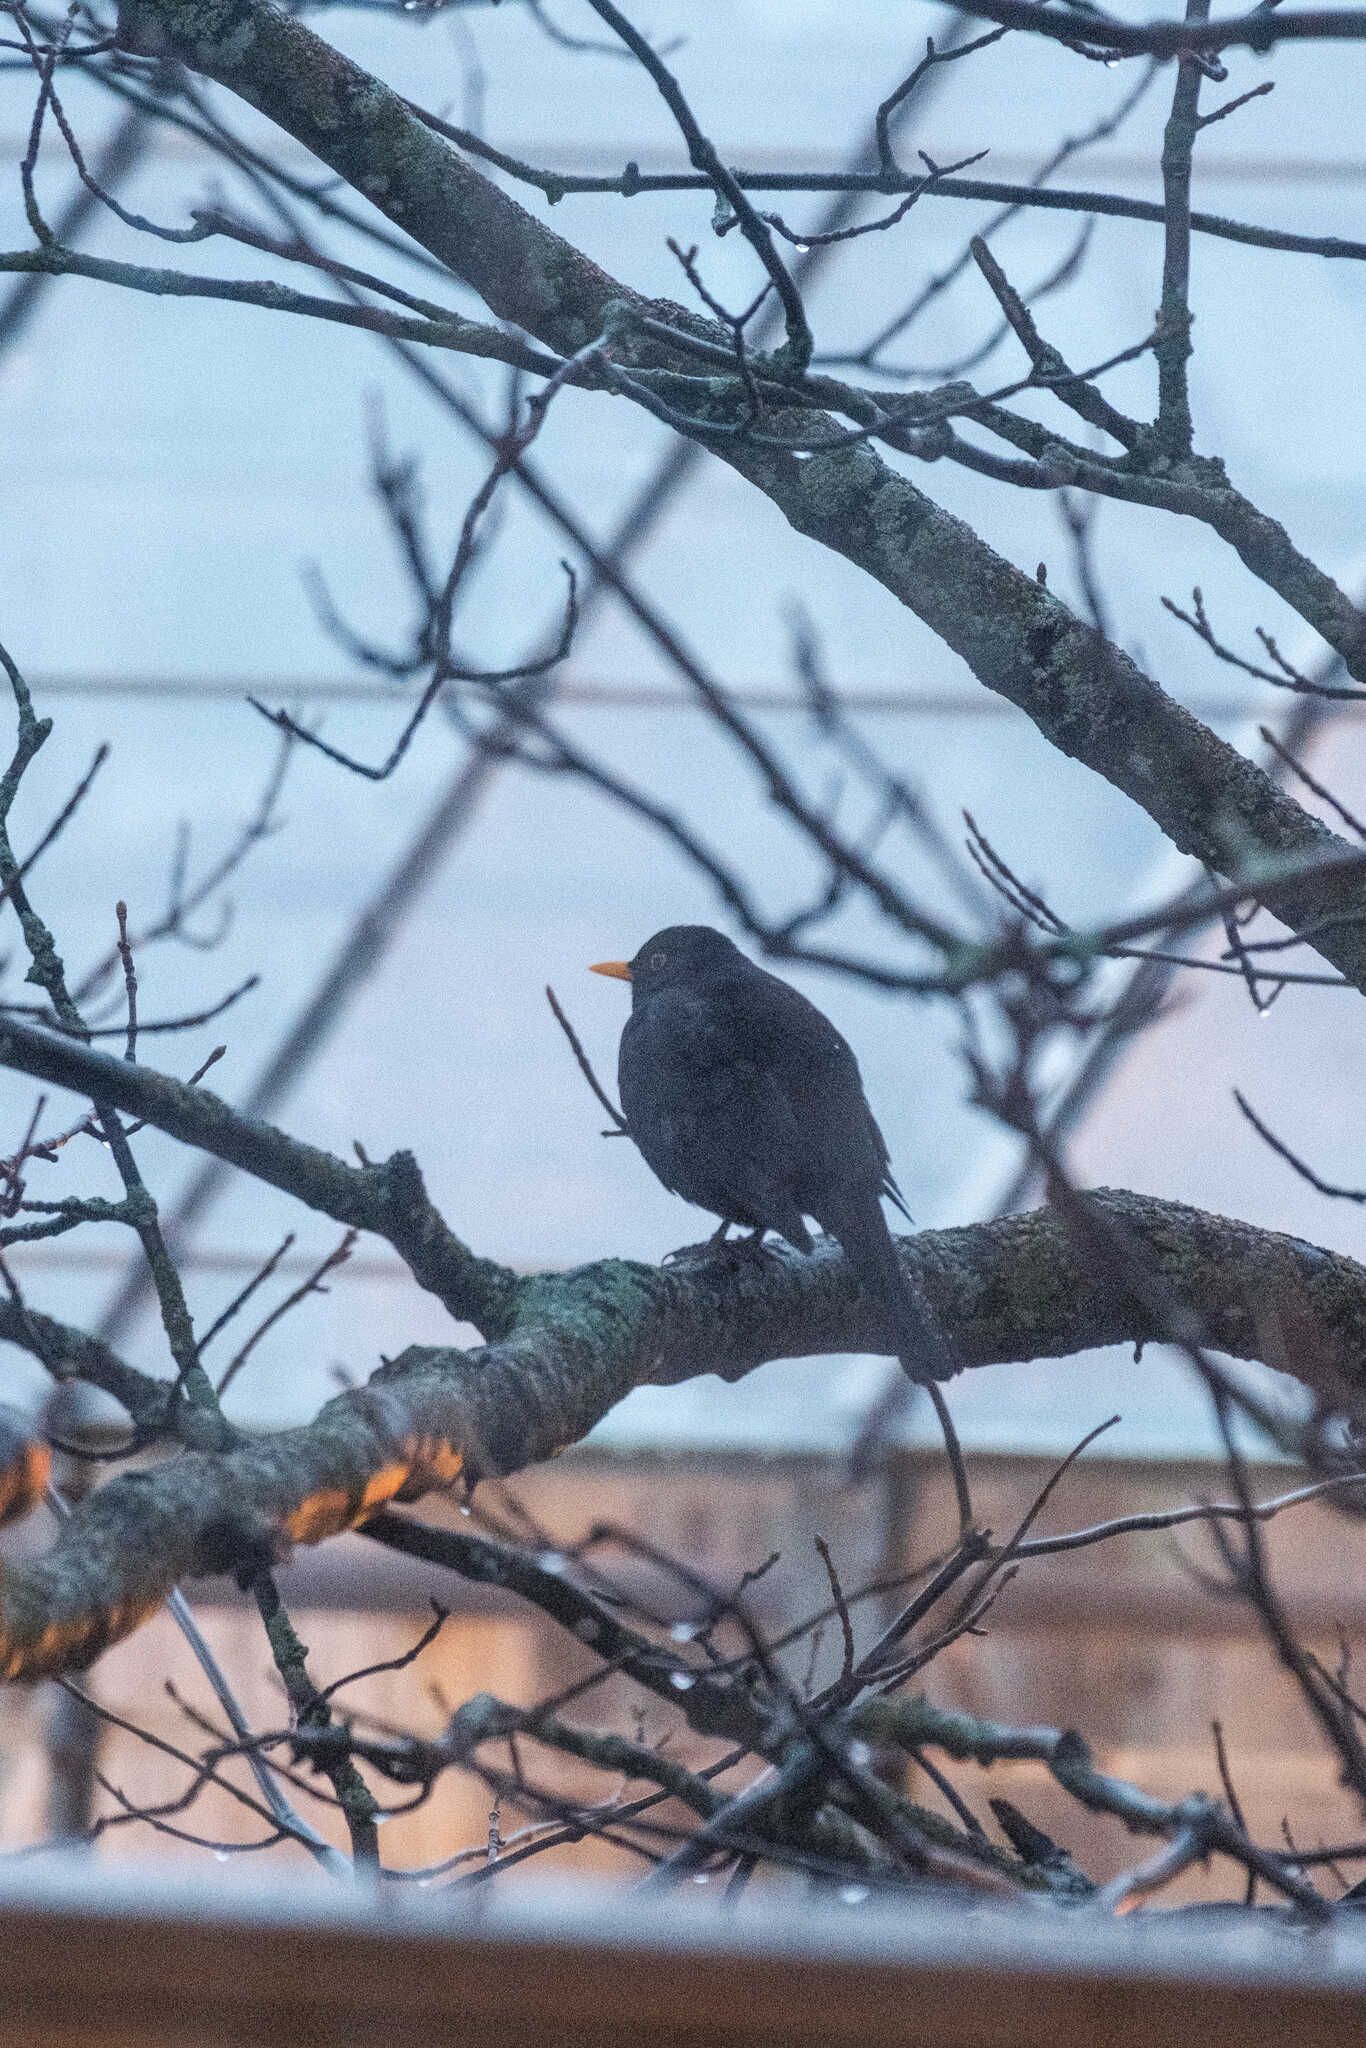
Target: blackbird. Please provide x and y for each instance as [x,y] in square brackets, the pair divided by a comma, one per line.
[745,1099]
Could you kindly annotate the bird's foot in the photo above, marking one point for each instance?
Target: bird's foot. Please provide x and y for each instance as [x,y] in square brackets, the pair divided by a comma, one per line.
[719,1247]
[690,1254]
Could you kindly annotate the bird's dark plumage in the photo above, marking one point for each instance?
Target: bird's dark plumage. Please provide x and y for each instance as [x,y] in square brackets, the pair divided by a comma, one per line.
[745,1099]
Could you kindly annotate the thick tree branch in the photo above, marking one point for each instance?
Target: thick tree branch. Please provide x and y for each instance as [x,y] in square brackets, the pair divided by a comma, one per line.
[388,1199]
[1088,698]
[1261,29]
[72,1354]
[578,1343]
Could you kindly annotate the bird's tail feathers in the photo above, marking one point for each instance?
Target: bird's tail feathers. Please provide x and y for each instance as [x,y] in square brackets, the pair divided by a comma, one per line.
[921,1345]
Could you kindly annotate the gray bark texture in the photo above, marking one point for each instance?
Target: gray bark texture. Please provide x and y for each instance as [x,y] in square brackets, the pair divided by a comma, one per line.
[565,1348]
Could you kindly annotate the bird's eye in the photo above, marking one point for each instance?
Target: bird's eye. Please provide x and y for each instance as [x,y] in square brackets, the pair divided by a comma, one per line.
[658,959]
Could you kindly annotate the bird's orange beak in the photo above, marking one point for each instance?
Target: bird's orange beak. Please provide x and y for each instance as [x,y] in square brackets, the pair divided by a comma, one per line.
[620,970]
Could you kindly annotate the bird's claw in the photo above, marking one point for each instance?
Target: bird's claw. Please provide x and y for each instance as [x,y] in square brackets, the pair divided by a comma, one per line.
[719,1248]
[696,1254]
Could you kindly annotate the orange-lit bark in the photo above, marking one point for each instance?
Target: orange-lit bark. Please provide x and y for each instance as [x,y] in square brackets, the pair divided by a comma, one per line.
[1012,1289]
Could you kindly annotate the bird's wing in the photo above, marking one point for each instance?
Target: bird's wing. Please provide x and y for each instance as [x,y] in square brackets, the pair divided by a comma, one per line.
[819,1074]
[711,1119]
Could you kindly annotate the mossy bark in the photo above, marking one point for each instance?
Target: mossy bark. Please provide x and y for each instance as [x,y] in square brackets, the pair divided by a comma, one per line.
[577,1343]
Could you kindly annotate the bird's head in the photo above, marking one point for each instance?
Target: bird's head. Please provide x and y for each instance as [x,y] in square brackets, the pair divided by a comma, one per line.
[681,954]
